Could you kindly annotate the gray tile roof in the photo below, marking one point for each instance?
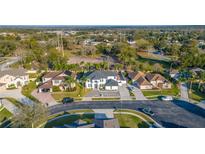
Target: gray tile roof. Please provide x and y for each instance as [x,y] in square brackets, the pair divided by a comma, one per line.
[13,72]
[111,82]
[101,74]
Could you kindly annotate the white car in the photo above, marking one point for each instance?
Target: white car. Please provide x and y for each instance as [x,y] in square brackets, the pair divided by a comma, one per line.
[167,98]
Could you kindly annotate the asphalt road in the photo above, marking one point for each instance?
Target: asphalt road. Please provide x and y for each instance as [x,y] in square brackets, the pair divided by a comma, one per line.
[8,62]
[176,114]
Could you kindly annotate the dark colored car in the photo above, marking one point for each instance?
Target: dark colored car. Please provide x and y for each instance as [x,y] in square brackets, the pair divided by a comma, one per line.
[67,100]
[148,111]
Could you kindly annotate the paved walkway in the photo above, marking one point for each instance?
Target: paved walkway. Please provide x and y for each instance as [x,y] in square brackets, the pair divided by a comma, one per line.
[9,106]
[124,93]
[45,98]
[103,113]
[184,92]
[16,94]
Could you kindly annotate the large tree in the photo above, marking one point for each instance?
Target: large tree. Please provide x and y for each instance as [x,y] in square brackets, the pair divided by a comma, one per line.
[30,116]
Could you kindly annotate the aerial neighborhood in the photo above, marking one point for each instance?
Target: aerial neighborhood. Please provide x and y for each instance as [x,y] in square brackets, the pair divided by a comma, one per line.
[120,71]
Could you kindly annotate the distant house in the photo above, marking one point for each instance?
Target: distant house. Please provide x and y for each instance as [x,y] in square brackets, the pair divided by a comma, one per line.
[149,80]
[51,79]
[174,73]
[108,80]
[13,78]
[197,71]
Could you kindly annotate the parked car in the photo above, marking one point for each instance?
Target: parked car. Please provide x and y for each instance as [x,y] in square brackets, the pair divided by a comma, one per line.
[131,88]
[67,100]
[167,98]
[148,111]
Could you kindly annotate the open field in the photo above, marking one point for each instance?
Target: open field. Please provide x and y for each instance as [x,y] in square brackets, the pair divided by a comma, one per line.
[152,59]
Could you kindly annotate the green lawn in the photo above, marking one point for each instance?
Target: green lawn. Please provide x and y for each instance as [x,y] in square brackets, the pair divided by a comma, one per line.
[77,94]
[155,93]
[130,121]
[146,117]
[151,61]
[28,89]
[69,119]
[4,114]
[196,95]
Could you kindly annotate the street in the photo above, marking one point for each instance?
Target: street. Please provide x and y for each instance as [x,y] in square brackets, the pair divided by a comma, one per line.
[177,114]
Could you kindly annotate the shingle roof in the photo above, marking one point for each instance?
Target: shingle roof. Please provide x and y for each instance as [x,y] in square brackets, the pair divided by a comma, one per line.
[135,75]
[52,74]
[142,81]
[107,123]
[154,77]
[111,82]
[13,72]
[101,74]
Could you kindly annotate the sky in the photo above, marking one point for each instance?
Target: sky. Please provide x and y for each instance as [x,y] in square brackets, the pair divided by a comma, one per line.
[102,12]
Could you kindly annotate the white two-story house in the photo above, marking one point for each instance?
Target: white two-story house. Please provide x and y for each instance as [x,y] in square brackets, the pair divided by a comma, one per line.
[108,80]
[13,78]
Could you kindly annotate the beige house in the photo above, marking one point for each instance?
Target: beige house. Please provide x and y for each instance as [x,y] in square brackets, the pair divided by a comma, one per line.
[55,78]
[13,78]
[149,80]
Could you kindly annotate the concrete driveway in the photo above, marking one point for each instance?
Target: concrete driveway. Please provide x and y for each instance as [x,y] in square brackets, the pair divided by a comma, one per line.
[44,98]
[16,94]
[138,93]
[124,93]
[184,92]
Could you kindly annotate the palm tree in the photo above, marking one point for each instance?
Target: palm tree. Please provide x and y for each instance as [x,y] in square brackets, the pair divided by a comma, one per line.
[201,79]
[71,82]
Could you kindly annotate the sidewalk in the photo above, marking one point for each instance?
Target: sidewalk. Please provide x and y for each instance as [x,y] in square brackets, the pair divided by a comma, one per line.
[9,106]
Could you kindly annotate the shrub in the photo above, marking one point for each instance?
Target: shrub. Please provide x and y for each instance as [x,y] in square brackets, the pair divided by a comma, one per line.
[56,89]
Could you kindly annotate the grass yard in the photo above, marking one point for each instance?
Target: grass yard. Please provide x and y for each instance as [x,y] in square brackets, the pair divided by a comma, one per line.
[69,119]
[155,93]
[4,114]
[77,94]
[130,121]
[146,117]
[28,89]
[196,95]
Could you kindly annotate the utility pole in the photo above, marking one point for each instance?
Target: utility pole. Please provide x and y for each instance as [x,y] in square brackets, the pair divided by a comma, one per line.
[60,42]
